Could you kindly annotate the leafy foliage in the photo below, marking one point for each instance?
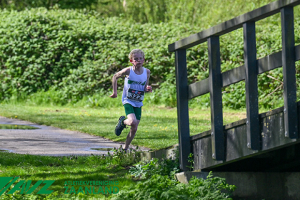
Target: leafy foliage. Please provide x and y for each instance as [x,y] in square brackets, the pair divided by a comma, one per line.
[165,167]
[162,187]
[191,161]
[122,158]
[75,53]
[160,183]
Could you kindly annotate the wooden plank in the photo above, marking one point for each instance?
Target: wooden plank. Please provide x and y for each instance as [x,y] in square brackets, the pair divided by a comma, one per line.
[205,147]
[251,71]
[270,62]
[198,88]
[235,75]
[233,24]
[201,135]
[215,82]
[241,122]
[289,72]
[197,155]
[182,108]
[273,138]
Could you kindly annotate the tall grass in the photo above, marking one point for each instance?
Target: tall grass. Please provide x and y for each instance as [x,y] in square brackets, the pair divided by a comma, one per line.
[100,100]
[196,12]
[53,98]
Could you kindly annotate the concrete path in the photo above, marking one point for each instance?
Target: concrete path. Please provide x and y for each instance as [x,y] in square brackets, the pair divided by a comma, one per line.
[51,141]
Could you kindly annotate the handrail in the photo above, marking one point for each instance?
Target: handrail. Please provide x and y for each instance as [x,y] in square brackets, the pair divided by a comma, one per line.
[237,74]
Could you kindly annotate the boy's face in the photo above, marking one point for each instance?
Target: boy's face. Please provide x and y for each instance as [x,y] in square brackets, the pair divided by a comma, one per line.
[137,59]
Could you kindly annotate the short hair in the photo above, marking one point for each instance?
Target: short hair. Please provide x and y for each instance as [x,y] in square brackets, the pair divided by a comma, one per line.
[135,51]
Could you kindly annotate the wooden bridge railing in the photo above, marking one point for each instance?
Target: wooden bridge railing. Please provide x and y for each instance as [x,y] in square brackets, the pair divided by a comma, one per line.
[248,72]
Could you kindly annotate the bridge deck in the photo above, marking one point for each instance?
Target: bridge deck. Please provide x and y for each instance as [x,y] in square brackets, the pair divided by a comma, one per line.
[279,153]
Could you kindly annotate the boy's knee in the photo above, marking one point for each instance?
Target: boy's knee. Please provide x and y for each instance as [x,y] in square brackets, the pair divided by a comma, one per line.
[132,122]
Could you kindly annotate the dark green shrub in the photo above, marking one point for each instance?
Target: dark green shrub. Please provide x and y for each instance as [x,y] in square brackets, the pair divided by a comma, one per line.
[163,188]
[76,53]
[164,167]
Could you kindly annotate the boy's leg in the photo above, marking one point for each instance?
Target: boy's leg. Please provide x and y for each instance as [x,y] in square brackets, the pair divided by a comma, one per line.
[133,119]
[120,125]
[133,122]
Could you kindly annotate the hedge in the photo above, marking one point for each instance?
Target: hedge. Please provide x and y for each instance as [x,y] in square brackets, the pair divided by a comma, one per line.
[76,53]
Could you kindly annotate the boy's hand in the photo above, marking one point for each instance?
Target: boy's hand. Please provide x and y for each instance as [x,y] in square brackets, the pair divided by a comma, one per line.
[148,88]
[114,95]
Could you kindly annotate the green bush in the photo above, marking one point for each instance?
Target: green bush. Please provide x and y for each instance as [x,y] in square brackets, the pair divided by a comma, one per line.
[162,187]
[75,53]
[164,167]
[159,182]
[37,50]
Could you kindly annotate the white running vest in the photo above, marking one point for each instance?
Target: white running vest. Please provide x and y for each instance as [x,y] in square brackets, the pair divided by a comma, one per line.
[134,85]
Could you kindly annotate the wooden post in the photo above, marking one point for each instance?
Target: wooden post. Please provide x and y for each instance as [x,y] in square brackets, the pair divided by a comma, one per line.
[182,108]
[215,82]
[289,72]
[251,70]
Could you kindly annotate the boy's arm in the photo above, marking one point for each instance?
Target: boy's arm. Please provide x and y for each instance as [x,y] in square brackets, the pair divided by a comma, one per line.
[148,88]
[118,75]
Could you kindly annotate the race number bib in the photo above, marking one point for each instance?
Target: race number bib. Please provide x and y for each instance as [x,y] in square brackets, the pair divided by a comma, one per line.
[135,95]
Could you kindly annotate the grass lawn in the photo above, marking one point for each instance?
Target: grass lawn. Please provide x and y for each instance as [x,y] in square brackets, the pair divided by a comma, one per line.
[63,170]
[157,129]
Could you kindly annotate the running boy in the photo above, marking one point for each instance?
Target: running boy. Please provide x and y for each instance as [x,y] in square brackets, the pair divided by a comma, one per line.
[135,84]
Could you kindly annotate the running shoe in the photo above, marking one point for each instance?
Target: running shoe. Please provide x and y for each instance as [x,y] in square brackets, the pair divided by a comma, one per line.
[120,126]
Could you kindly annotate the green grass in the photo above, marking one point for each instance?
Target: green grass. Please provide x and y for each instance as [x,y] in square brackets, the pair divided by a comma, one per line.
[62,170]
[157,129]
[11,126]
